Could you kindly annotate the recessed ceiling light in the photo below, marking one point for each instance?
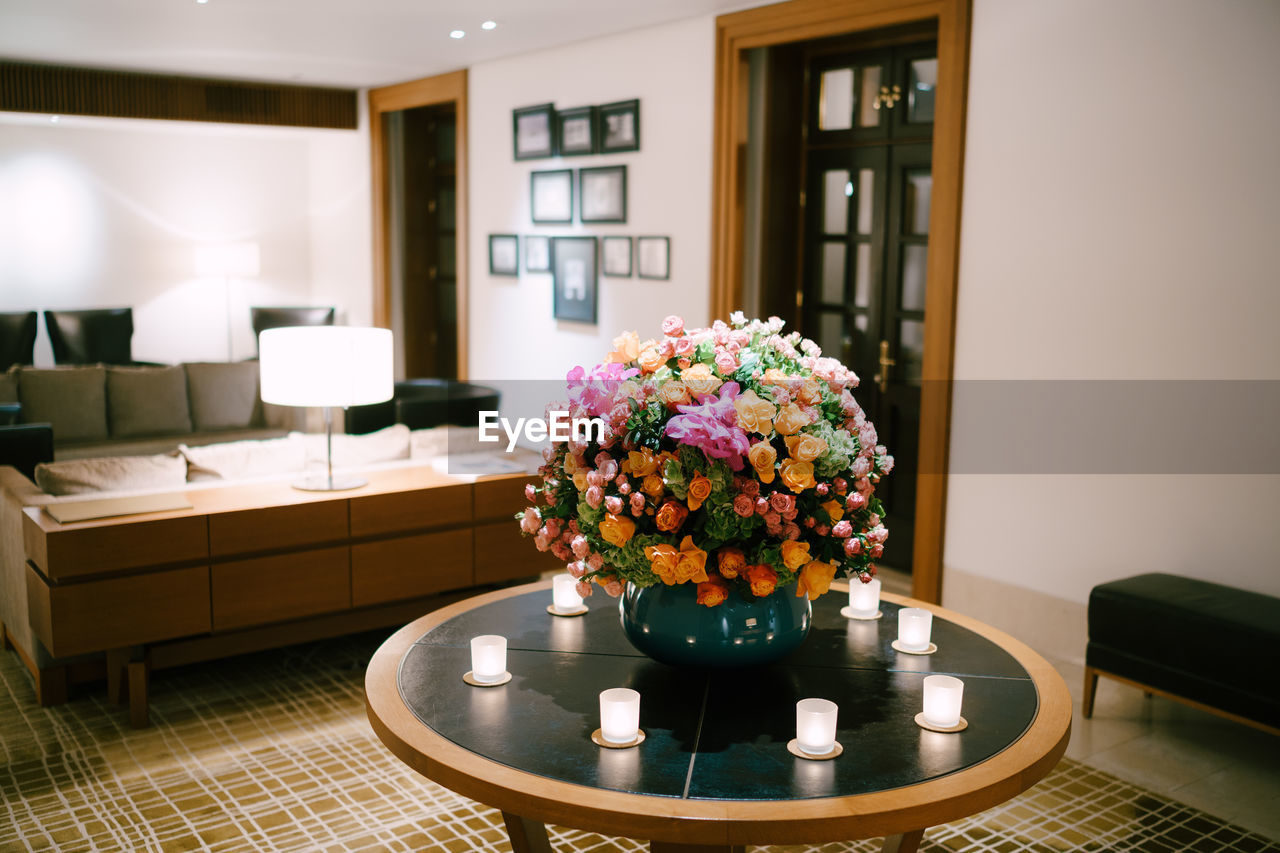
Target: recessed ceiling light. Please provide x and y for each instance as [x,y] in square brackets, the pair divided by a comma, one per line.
[457,34]
[489,25]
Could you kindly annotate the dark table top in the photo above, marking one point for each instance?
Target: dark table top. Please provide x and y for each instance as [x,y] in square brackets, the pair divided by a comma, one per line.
[712,735]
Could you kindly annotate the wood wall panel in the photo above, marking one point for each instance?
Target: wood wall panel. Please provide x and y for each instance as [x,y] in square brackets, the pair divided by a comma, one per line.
[275,589]
[79,550]
[76,618]
[443,506]
[265,529]
[504,553]
[410,566]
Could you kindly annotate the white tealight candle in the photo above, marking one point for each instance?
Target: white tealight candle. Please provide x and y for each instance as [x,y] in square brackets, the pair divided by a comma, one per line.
[488,658]
[816,726]
[564,590]
[619,715]
[864,598]
[914,627]
[942,698]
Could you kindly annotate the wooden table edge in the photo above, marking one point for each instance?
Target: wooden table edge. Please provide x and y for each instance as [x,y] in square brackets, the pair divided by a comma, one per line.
[897,810]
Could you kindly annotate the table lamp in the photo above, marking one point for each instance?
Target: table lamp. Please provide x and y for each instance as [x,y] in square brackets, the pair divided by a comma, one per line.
[326,366]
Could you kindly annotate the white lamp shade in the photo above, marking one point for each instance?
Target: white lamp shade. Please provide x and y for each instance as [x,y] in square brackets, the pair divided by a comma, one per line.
[326,366]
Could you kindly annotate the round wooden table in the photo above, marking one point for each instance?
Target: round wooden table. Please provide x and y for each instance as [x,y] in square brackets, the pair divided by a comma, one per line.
[714,772]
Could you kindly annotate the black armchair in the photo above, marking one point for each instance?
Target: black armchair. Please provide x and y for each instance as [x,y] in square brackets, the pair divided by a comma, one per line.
[17,338]
[423,403]
[274,318]
[88,337]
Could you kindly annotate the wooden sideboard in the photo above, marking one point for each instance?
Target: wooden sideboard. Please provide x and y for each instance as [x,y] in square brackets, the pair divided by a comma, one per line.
[256,566]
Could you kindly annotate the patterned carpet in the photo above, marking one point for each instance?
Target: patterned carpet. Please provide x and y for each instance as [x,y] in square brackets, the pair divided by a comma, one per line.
[272,752]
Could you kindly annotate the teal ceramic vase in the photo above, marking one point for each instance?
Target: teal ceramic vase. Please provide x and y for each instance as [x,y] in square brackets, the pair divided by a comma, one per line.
[667,624]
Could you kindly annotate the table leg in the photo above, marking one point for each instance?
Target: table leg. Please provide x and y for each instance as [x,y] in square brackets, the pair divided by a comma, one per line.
[676,847]
[527,836]
[907,842]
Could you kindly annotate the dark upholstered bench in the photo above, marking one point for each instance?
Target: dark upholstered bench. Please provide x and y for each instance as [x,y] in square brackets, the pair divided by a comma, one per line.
[1205,644]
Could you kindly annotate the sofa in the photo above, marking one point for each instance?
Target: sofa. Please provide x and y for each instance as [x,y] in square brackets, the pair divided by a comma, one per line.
[397,550]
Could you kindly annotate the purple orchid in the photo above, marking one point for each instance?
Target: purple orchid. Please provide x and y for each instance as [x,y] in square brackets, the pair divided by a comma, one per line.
[711,425]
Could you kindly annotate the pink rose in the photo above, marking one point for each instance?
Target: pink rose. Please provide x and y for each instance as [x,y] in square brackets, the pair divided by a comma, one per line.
[613,504]
[772,518]
[744,506]
[594,479]
[782,502]
[584,589]
[531,522]
[581,547]
[726,363]
[843,529]
[853,546]
[878,534]
[613,588]
[595,497]
[791,531]
[673,326]
[548,453]
[841,484]
[810,522]
[877,551]
[855,501]
[577,569]
[861,467]
[608,469]
[684,347]
[596,561]
[625,486]
[822,530]
[637,503]
[751,487]
[823,489]
[762,506]
[541,541]
[561,552]
[530,493]
[790,515]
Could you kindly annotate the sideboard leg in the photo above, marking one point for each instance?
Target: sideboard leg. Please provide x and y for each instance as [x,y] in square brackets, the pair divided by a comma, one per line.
[4,638]
[907,842]
[1090,689]
[117,668]
[527,836]
[139,670]
[51,686]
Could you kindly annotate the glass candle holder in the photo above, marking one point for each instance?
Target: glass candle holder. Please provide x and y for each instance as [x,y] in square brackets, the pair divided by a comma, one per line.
[564,591]
[914,627]
[816,726]
[943,695]
[488,658]
[864,598]
[619,715]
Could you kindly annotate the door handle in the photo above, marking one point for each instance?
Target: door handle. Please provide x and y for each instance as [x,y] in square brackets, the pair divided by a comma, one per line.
[882,377]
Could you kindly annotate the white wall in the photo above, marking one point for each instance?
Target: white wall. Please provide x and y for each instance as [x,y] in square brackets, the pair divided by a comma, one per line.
[1121,200]
[106,212]
[670,69]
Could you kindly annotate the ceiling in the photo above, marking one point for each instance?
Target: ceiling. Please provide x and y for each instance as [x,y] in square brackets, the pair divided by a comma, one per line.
[348,43]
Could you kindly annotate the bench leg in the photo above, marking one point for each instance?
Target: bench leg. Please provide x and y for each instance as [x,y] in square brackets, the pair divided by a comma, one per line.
[527,836]
[1090,689]
[907,842]
[4,638]
[139,671]
[117,673]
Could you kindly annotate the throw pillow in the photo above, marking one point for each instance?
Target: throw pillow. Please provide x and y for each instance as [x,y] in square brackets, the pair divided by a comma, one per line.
[73,399]
[111,474]
[9,385]
[351,451]
[223,395]
[233,460]
[147,400]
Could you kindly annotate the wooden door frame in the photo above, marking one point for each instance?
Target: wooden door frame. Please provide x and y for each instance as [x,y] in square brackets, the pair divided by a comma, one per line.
[802,20]
[441,89]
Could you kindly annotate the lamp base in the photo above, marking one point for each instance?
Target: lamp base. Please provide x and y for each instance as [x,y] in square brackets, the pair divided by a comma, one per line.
[321,483]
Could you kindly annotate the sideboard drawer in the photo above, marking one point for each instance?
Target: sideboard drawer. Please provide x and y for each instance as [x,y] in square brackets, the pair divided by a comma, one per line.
[410,566]
[266,529]
[503,553]
[502,497]
[275,589]
[440,506]
[98,548]
[94,616]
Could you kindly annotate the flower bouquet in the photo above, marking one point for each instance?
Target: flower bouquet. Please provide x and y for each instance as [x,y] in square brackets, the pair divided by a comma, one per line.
[733,458]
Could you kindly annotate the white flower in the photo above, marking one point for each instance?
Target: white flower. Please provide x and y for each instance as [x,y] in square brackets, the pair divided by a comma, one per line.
[738,319]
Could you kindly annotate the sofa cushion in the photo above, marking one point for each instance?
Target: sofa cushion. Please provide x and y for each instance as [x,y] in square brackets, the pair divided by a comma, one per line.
[147,400]
[73,399]
[111,474]
[9,385]
[233,460]
[349,451]
[223,395]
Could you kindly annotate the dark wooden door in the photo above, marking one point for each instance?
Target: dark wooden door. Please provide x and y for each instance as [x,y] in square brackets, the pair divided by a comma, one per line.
[867,154]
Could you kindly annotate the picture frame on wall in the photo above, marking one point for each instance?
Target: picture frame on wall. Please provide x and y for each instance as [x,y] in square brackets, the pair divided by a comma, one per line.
[576,131]
[534,131]
[551,197]
[537,253]
[573,261]
[504,254]
[615,257]
[653,257]
[619,126]
[602,194]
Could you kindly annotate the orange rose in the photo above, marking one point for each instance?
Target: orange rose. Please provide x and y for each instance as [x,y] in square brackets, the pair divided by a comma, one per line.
[699,491]
[712,591]
[670,516]
[805,447]
[693,562]
[616,530]
[640,463]
[652,486]
[625,348]
[763,580]
[790,419]
[580,480]
[815,579]
[755,414]
[796,475]
[809,392]
[700,380]
[650,359]
[762,456]
[730,561]
[795,554]
[570,464]
[775,376]
[673,393]
[663,560]
[834,509]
